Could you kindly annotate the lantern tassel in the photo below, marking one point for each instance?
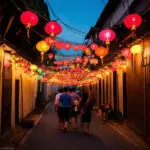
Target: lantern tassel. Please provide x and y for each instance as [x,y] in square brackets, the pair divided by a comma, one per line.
[42,57]
[101,60]
[28,31]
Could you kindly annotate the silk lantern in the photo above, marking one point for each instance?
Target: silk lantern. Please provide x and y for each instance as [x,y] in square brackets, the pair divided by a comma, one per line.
[50,56]
[42,47]
[107,35]
[136,49]
[59,45]
[133,21]
[83,47]
[53,28]
[101,52]
[67,46]
[33,67]
[76,47]
[126,53]
[93,46]
[50,41]
[29,19]
[87,51]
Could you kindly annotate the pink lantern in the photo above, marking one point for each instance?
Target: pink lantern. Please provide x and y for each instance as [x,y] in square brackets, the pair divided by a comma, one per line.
[59,45]
[93,46]
[107,35]
[50,56]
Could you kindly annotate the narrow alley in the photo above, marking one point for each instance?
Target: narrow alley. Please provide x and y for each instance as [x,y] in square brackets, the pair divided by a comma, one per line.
[60,59]
[46,136]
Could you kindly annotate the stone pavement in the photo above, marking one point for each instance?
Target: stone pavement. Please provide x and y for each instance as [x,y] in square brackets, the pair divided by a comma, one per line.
[44,136]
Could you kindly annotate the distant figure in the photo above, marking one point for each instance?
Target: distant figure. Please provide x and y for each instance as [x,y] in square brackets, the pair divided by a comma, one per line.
[75,98]
[65,104]
[57,106]
[86,112]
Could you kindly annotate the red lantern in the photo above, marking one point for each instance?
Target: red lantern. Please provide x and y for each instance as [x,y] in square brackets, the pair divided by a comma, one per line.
[50,56]
[78,59]
[67,46]
[83,47]
[50,41]
[59,45]
[126,53]
[29,19]
[133,21]
[114,66]
[6,63]
[93,46]
[53,28]
[76,47]
[107,36]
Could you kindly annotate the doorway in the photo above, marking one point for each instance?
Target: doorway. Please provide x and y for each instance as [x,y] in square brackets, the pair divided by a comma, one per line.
[124,96]
[6,100]
[100,94]
[17,101]
[115,90]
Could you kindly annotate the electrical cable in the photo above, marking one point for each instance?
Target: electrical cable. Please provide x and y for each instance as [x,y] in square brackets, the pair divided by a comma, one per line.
[62,21]
[45,20]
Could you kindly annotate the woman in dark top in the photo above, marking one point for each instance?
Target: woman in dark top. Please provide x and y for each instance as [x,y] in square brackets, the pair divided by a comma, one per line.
[86,112]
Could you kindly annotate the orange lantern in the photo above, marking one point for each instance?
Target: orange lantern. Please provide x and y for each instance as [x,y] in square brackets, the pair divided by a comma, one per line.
[42,47]
[87,51]
[101,52]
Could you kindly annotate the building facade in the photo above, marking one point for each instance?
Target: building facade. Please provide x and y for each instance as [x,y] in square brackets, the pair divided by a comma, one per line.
[127,90]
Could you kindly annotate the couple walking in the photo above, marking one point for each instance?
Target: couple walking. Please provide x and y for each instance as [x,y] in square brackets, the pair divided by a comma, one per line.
[69,105]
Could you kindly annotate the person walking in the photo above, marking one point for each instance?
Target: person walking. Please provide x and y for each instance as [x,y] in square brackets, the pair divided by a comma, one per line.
[75,107]
[57,106]
[86,112]
[65,104]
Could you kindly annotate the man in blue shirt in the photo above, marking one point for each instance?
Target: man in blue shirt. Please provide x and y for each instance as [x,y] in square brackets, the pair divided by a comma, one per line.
[65,104]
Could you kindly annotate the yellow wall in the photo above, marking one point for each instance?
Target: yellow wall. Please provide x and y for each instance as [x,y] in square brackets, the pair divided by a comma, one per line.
[28,92]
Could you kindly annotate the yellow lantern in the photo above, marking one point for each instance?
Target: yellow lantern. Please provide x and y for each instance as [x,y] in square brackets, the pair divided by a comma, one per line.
[87,51]
[33,67]
[42,47]
[136,49]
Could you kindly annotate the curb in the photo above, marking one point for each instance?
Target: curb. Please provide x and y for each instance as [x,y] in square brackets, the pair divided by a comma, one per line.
[128,138]
[24,137]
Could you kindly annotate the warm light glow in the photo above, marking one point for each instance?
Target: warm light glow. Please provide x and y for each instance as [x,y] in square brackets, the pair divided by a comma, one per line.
[33,67]
[136,49]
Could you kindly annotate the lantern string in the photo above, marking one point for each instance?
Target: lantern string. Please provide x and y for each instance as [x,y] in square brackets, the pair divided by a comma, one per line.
[62,21]
[44,19]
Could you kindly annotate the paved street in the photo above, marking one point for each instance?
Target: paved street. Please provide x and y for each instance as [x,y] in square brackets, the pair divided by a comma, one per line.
[45,137]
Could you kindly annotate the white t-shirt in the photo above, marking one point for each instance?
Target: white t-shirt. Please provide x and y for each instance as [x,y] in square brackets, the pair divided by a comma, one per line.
[57,98]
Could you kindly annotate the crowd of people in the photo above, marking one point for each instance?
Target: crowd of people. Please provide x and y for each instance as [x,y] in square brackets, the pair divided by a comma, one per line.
[70,106]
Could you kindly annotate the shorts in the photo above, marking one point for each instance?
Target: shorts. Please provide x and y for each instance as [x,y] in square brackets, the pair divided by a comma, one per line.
[58,112]
[64,114]
[86,118]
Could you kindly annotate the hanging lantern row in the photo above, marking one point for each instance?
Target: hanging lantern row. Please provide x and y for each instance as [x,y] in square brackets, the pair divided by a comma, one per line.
[30,19]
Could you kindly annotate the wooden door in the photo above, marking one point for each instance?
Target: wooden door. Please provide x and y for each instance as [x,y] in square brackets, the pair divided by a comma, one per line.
[6,99]
[17,101]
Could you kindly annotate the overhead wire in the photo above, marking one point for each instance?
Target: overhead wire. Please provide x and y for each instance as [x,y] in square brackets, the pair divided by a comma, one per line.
[68,26]
[15,4]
